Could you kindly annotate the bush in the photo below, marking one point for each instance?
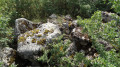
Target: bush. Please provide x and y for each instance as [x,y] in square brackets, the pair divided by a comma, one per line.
[36,9]
[115,5]
[104,31]
[98,30]
[107,59]
[55,56]
[6,32]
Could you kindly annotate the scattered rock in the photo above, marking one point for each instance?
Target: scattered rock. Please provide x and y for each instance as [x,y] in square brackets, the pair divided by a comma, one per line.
[65,23]
[33,37]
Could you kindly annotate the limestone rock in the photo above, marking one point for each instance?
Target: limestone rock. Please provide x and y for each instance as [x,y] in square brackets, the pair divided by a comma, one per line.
[7,56]
[65,23]
[68,26]
[22,25]
[79,36]
[68,17]
[31,42]
[71,49]
[81,40]
[107,17]
[106,44]
[53,16]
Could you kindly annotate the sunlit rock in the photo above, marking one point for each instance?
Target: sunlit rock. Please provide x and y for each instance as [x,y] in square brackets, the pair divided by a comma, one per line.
[31,42]
[22,25]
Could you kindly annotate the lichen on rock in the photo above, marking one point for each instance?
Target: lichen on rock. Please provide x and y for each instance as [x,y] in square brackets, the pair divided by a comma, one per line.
[22,25]
[31,42]
[41,41]
[21,39]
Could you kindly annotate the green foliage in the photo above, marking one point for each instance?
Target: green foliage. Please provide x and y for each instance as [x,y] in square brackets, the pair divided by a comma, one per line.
[5,31]
[1,64]
[13,65]
[98,30]
[104,31]
[115,5]
[108,59]
[35,9]
[57,55]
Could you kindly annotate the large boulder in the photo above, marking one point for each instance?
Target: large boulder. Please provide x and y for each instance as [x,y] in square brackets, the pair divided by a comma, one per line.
[31,42]
[7,56]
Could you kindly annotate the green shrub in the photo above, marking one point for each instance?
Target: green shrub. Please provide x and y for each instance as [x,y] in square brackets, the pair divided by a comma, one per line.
[115,5]
[104,31]
[6,32]
[55,56]
[98,30]
[12,65]
[1,64]
[36,9]
[107,59]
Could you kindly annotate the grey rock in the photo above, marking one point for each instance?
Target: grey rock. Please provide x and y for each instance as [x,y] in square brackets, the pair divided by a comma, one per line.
[68,26]
[53,16]
[107,17]
[81,40]
[77,33]
[106,44]
[22,25]
[68,17]
[71,49]
[7,56]
[30,43]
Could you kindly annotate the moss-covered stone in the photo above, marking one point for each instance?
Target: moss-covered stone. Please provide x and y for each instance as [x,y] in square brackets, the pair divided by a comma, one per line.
[46,31]
[41,41]
[69,24]
[33,40]
[39,35]
[35,31]
[27,34]
[21,39]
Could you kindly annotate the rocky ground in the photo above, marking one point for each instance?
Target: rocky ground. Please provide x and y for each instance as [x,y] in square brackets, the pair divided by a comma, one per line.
[31,38]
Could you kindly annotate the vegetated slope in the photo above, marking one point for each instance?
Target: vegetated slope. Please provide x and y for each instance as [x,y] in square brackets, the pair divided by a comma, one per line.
[103,30]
